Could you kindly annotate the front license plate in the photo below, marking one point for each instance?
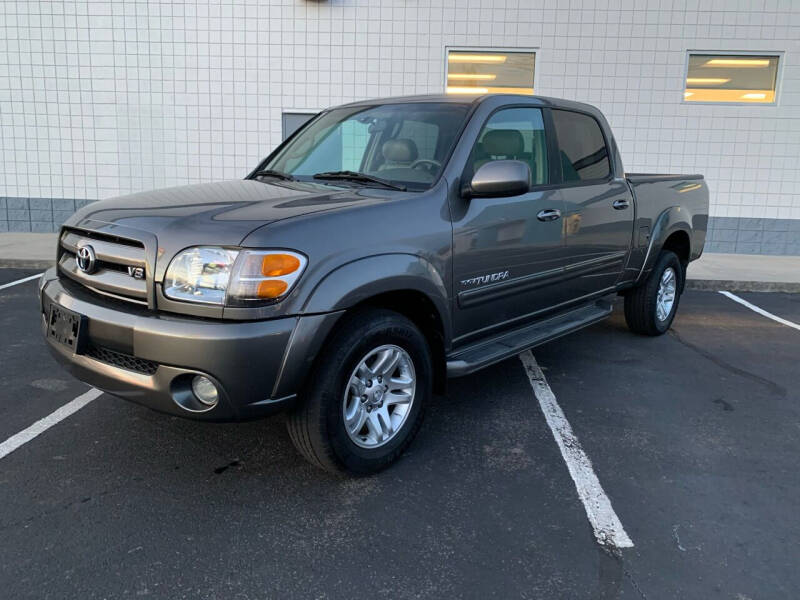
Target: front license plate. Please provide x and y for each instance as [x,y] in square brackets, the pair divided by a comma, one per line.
[66,327]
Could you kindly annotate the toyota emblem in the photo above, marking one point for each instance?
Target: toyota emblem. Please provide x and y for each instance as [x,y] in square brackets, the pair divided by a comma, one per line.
[86,259]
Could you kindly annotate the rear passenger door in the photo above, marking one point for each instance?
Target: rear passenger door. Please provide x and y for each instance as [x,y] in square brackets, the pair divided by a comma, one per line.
[598,217]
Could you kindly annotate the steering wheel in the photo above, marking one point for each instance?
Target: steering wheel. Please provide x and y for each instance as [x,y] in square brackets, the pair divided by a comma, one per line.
[426,161]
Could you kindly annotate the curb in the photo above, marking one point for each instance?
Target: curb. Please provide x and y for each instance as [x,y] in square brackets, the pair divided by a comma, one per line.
[714,285]
[26,263]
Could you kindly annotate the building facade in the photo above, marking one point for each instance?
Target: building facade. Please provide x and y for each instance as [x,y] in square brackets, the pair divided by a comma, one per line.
[103,98]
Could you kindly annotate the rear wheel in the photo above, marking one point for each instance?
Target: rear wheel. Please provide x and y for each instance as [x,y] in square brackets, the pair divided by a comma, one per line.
[366,398]
[651,307]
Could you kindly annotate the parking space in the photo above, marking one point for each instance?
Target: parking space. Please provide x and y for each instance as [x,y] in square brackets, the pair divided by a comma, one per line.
[8,276]
[33,385]
[786,306]
[693,436]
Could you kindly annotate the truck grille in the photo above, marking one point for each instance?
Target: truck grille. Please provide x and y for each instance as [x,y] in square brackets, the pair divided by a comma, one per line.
[123,361]
[116,260]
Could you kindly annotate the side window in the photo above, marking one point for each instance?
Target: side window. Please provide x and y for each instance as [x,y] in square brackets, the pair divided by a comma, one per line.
[514,134]
[581,148]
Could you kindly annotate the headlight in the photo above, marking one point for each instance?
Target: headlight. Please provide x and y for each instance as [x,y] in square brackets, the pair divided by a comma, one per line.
[232,277]
[200,274]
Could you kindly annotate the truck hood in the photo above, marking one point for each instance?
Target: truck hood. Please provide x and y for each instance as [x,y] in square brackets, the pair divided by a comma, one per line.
[221,213]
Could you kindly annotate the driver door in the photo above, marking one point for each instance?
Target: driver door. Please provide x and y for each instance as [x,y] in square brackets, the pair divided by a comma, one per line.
[507,251]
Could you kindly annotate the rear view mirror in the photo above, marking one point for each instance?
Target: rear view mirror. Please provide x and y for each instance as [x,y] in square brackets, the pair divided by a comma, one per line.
[501,178]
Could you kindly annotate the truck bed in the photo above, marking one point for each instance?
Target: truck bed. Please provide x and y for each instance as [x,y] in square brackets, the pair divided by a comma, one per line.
[662,201]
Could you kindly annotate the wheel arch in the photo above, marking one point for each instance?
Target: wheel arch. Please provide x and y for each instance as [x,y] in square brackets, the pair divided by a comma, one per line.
[671,231]
[680,243]
[404,283]
[361,280]
[420,310]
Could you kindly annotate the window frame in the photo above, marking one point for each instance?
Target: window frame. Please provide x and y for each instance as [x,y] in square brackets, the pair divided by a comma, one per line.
[546,142]
[612,167]
[779,54]
[553,174]
[498,49]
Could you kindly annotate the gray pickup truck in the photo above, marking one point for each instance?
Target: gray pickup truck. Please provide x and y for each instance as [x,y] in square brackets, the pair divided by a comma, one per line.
[385,246]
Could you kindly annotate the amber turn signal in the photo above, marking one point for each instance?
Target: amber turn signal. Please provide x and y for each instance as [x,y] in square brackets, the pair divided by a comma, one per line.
[275,265]
[271,288]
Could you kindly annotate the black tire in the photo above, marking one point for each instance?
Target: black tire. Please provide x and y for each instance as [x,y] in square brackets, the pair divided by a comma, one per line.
[641,302]
[316,426]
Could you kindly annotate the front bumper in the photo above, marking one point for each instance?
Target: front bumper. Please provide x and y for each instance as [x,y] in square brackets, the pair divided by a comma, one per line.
[150,358]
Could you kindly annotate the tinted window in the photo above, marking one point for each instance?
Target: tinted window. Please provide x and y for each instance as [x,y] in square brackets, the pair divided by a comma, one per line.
[581,147]
[514,134]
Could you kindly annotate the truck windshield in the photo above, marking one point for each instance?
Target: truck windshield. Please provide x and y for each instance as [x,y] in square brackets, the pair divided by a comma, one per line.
[402,144]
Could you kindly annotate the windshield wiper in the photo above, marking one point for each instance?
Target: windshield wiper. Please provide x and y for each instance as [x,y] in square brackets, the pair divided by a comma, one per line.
[359,177]
[274,173]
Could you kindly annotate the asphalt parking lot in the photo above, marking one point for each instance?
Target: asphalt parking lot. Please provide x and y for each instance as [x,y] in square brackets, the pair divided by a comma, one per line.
[694,436]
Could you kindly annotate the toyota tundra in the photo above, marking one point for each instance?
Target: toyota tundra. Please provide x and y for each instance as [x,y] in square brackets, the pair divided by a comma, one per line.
[385,246]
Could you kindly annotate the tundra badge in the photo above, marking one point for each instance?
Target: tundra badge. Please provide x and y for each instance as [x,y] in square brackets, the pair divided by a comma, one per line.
[481,279]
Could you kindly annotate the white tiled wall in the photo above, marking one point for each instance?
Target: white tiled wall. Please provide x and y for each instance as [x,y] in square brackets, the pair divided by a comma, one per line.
[103,98]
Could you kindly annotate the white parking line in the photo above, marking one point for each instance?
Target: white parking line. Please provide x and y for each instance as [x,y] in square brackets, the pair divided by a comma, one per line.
[18,281]
[42,425]
[760,311]
[607,527]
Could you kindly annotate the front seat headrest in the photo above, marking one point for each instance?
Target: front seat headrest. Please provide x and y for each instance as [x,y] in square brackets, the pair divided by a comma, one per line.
[399,151]
[503,142]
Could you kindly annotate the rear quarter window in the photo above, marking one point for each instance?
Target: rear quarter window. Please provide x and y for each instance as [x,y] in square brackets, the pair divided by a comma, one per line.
[581,147]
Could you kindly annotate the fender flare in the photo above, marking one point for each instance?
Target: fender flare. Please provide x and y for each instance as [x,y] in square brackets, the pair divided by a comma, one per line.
[344,287]
[356,281]
[668,222]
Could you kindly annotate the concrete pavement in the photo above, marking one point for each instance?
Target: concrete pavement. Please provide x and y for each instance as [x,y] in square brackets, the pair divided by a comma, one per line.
[745,273]
[733,272]
[28,250]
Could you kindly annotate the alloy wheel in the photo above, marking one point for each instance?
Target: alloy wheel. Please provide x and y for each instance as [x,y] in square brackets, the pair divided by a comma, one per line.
[665,298]
[379,396]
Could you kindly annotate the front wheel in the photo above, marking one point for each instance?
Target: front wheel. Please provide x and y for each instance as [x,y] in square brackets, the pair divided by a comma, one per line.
[651,307]
[366,398]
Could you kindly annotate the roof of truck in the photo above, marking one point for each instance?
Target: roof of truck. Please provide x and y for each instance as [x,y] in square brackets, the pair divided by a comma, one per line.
[451,98]
[473,99]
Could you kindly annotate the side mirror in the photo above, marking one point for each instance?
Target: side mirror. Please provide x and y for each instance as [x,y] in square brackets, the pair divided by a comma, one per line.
[500,178]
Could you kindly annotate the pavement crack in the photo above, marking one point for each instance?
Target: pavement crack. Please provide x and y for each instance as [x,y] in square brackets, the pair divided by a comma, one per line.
[635,585]
[612,569]
[726,406]
[677,538]
[776,389]
[28,520]
[223,468]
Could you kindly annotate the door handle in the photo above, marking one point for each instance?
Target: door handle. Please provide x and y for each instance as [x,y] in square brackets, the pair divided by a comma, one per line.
[549,214]
[621,204]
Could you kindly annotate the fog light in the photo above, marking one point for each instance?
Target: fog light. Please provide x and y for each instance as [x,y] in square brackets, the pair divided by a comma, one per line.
[205,390]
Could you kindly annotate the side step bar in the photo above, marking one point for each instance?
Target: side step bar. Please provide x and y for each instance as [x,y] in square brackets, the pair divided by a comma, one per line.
[487,352]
